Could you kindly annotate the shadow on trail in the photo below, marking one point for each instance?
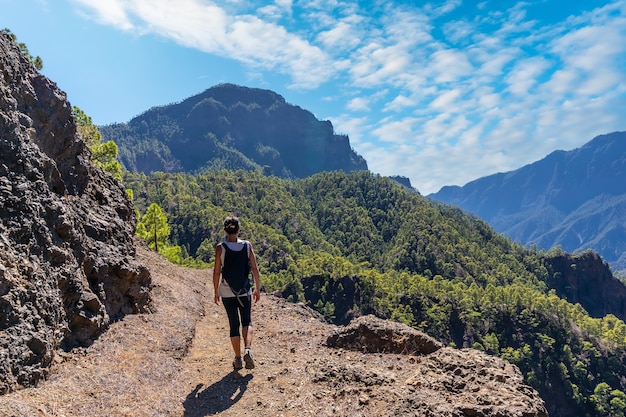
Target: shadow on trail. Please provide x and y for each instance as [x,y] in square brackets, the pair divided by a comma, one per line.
[218,397]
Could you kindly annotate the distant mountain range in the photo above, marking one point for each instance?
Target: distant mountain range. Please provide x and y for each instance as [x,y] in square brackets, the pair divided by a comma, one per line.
[574,199]
[232,127]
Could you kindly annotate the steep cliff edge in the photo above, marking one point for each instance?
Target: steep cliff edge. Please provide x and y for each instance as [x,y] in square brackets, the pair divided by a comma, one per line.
[67,256]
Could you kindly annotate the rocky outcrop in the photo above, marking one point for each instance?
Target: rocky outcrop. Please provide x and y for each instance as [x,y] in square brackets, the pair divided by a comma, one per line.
[468,382]
[67,266]
[372,335]
[444,381]
[586,279]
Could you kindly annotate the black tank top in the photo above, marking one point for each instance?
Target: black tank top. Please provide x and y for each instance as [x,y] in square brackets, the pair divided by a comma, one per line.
[236,269]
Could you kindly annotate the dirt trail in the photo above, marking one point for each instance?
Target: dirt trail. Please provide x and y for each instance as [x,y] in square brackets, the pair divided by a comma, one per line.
[279,383]
[177,361]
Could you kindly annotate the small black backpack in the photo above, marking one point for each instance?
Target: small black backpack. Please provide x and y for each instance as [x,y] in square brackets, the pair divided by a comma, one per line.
[236,269]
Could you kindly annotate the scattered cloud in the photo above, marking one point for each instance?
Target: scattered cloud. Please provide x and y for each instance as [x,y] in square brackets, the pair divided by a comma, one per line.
[450,65]
[358,104]
[395,131]
[399,103]
[210,28]
[109,13]
[440,10]
[466,95]
[354,126]
[526,74]
[445,99]
[277,10]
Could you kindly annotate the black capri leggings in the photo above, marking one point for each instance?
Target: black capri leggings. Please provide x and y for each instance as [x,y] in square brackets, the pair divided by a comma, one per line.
[236,311]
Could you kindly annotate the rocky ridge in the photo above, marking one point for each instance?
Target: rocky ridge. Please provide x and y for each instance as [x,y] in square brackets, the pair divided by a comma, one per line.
[67,266]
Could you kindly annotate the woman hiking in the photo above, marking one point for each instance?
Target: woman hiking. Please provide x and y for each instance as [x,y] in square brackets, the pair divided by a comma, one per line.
[234,259]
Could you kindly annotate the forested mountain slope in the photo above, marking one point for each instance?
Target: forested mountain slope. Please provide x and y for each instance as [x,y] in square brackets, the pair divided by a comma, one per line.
[232,127]
[574,199]
[357,243]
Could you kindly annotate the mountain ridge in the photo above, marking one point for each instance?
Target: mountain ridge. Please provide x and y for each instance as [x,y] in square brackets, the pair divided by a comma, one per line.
[233,127]
[573,199]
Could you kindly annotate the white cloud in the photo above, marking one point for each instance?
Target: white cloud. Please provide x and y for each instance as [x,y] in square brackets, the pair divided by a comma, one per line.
[492,59]
[440,10]
[358,104]
[399,102]
[450,65]
[459,31]
[276,11]
[322,4]
[208,27]
[345,35]
[445,99]
[353,127]
[109,13]
[507,94]
[395,131]
[524,76]
[487,98]
[584,47]
[435,129]
[285,5]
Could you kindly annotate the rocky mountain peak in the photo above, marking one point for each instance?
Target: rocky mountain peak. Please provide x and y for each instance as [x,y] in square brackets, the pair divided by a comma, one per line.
[67,266]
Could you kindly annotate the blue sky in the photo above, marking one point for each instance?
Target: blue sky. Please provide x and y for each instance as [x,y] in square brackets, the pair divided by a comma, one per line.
[442,92]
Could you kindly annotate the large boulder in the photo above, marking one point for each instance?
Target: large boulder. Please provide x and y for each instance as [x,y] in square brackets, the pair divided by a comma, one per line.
[443,381]
[67,256]
[373,335]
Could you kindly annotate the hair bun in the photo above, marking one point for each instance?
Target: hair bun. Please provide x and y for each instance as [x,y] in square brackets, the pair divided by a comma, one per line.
[231,224]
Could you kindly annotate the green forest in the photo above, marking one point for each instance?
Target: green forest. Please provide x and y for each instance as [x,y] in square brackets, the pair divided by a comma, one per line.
[357,243]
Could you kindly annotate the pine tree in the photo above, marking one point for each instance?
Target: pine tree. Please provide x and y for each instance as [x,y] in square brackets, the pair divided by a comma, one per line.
[153,227]
[103,154]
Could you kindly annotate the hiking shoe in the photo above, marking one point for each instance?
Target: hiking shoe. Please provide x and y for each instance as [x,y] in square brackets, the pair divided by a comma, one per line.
[237,364]
[247,358]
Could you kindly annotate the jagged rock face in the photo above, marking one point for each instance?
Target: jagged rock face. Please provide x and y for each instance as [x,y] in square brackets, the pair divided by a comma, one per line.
[446,382]
[67,264]
[468,382]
